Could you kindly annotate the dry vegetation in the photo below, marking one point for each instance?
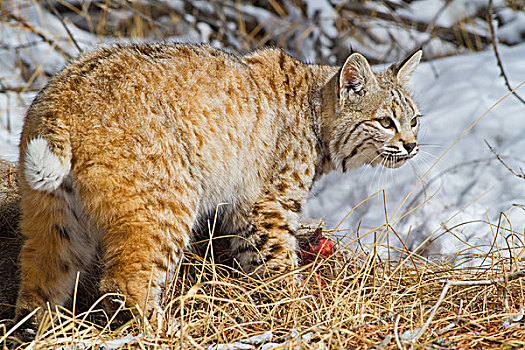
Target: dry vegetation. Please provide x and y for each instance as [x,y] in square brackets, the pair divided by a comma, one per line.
[355,298]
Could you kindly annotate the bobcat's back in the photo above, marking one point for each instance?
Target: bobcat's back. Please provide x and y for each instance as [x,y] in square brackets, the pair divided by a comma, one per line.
[185,106]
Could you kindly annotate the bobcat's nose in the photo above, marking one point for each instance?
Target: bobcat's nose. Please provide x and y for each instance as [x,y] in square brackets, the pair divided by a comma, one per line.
[410,146]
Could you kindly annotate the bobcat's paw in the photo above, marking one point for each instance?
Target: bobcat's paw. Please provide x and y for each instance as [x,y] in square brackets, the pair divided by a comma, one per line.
[26,330]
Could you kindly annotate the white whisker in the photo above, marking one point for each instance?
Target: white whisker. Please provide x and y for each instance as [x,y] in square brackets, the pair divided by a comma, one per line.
[430,145]
[392,177]
[428,153]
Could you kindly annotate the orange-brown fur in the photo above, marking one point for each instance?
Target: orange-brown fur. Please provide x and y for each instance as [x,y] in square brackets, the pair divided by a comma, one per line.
[148,140]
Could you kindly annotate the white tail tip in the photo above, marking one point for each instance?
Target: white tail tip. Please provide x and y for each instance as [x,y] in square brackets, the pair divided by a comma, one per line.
[43,169]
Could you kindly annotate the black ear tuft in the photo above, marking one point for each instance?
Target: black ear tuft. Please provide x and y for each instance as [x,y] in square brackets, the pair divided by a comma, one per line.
[404,69]
[402,63]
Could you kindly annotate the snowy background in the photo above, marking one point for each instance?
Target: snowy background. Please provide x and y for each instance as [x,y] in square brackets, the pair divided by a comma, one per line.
[459,202]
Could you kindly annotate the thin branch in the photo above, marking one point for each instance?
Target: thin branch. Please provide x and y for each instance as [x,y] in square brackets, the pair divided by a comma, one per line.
[140,14]
[433,313]
[396,333]
[385,342]
[505,279]
[449,34]
[37,32]
[522,175]
[510,277]
[496,53]
[19,89]
[59,16]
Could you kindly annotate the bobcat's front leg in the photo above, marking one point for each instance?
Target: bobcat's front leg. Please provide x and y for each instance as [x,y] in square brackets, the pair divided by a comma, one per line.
[268,245]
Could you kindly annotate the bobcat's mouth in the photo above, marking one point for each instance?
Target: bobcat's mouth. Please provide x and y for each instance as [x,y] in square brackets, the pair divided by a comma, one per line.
[394,160]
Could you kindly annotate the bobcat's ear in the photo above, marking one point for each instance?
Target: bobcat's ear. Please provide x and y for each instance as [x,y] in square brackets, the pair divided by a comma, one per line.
[356,77]
[408,66]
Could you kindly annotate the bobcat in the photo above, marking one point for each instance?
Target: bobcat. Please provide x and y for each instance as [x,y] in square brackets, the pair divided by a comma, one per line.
[131,147]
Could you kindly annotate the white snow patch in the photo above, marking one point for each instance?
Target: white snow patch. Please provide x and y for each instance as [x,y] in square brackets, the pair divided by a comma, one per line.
[247,343]
[326,12]
[513,27]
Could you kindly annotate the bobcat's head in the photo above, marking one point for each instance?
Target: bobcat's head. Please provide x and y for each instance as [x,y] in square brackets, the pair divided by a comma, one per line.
[375,119]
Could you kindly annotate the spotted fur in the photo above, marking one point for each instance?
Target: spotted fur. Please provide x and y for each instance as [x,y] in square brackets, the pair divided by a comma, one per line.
[131,146]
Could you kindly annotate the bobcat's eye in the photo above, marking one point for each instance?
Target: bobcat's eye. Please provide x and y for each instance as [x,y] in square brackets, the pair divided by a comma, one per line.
[386,123]
[413,122]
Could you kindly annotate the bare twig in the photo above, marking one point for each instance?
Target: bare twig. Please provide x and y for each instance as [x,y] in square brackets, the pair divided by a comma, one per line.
[496,53]
[510,277]
[433,313]
[59,16]
[450,34]
[140,14]
[19,89]
[513,276]
[522,175]
[385,342]
[396,334]
[37,32]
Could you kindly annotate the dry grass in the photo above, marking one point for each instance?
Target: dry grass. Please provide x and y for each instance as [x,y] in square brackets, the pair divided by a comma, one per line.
[354,300]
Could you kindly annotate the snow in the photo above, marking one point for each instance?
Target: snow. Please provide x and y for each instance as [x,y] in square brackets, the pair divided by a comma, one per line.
[112,344]
[248,343]
[465,190]
[292,340]
[444,14]
[326,12]
[12,108]
[513,25]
